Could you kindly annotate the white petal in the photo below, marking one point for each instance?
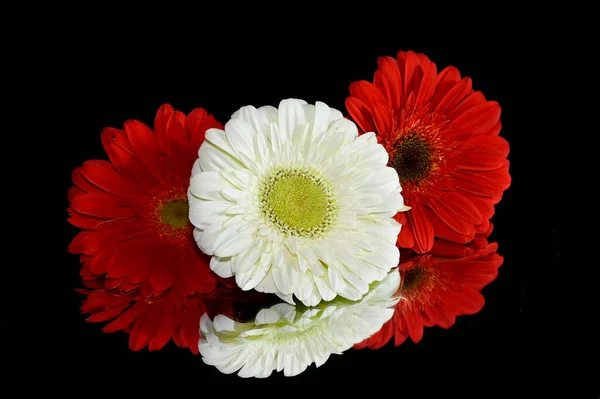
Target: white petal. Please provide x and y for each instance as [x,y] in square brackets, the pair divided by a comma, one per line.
[291,115]
[258,120]
[203,213]
[269,113]
[234,245]
[221,266]
[223,323]
[213,159]
[266,316]
[240,136]
[256,276]
[208,186]
[217,139]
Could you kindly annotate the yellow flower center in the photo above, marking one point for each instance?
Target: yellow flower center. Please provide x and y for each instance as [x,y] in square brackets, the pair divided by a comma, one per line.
[298,202]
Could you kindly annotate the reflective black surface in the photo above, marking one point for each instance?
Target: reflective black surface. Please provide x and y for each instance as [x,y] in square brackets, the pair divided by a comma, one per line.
[112,79]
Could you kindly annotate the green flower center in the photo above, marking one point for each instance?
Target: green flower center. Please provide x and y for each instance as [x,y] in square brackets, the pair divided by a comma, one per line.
[412,160]
[298,202]
[175,213]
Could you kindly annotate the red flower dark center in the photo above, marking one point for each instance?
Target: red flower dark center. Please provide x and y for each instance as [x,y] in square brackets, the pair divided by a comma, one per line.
[175,213]
[412,159]
[412,279]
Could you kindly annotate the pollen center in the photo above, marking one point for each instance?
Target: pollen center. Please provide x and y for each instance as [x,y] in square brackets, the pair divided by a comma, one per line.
[175,213]
[412,160]
[412,279]
[298,202]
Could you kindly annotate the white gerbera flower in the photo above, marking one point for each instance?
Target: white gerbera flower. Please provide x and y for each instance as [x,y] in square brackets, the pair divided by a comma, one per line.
[286,338]
[293,202]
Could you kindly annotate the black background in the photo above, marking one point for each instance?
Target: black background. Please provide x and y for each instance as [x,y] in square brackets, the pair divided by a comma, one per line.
[105,76]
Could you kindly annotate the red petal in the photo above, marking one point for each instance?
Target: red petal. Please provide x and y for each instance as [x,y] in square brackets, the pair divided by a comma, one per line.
[74,192]
[130,260]
[493,145]
[406,238]
[414,321]
[198,122]
[484,204]
[454,96]
[75,245]
[125,320]
[81,183]
[448,249]
[99,264]
[382,82]
[469,102]
[496,129]
[190,330]
[103,175]
[442,230]
[473,273]
[479,119]
[401,218]
[391,78]
[177,325]
[145,326]
[163,271]
[445,81]
[360,114]
[368,93]
[422,228]
[196,274]
[401,333]
[408,63]
[108,314]
[125,229]
[383,118]
[439,314]
[428,82]
[83,221]
[179,144]
[145,147]
[165,330]
[163,115]
[123,159]
[484,229]
[459,204]
[479,161]
[466,301]
[487,183]
[100,205]
[114,283]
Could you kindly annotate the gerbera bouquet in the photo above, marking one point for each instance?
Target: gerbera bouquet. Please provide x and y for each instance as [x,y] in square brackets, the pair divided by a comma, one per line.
[342,229]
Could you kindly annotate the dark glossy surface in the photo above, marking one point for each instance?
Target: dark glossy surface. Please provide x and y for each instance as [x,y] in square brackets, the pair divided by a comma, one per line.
[106,84]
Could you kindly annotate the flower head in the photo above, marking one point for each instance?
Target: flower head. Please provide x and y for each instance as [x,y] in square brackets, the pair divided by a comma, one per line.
[152,321]
[442,138]
[437,287]
[133,208]
[288,338]
[291,201]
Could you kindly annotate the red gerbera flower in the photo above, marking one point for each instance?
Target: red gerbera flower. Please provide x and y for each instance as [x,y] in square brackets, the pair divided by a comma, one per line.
[442,138]
[152,321]
[437,287]
[134,209]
